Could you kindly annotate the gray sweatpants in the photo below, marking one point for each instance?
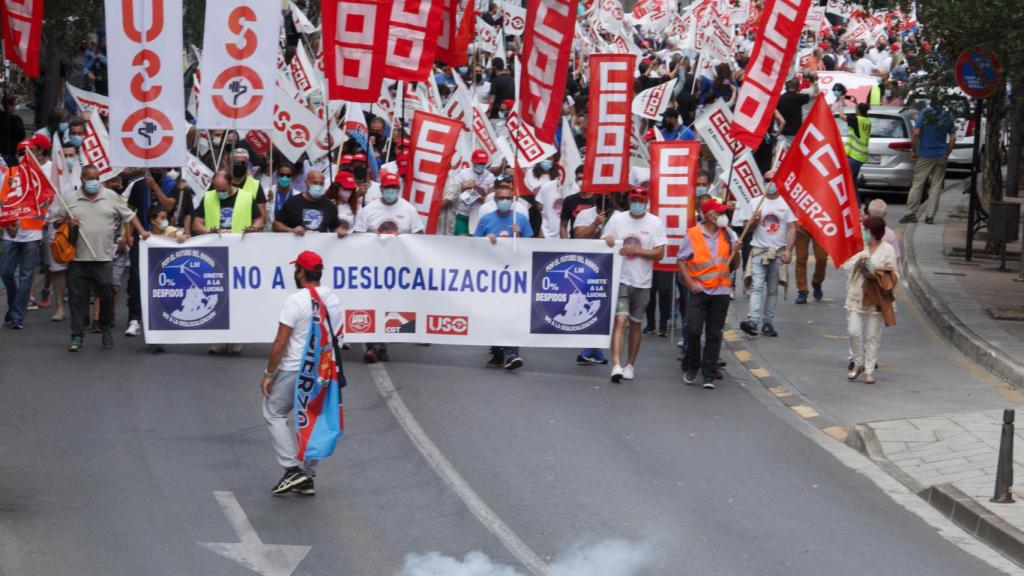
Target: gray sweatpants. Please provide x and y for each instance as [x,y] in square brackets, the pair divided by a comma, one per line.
[276,410]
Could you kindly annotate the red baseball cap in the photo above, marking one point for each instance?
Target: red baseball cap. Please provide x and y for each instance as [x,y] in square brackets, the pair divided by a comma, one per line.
[639,193]
[309,260]
[40,141]
[23,145]
[388,179]
[346,180]
[345,159]
[712,205]
[480,157]
[359,157]
[508,103]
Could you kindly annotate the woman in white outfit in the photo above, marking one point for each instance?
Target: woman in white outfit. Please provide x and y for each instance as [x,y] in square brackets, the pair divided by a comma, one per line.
[864,324]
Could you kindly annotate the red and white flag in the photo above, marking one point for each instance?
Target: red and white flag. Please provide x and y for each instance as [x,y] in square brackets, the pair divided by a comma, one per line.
[301,21]
[770,60]
[294,126]
[239,59]
[198,177]
[89,100]
[449,9]
[609,125]
[529,149]
[513,18]
[305,76]
[464,36]
[745,180]
[651,103]
[433,145]
[23,23]
[95,149]
[147,87]
[815,180]
[38,182]
[18,200]
[356,41]
[412,39]
[673,187]
[547,49]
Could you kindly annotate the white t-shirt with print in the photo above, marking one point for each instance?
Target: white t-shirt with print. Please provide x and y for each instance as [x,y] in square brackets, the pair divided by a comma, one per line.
[776,218]
[398,218]
[550,197]
[646,233]
[298,314]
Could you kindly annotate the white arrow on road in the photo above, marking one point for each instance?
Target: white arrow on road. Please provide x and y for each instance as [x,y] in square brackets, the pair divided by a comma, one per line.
[251,552]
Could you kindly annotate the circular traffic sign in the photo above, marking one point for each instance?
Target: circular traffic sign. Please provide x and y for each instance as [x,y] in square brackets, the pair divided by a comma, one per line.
[978,72]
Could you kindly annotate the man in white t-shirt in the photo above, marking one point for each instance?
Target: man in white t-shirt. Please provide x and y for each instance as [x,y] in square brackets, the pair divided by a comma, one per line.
[774,233]
[642,235]
[550,198]
[281,375]
[473,185]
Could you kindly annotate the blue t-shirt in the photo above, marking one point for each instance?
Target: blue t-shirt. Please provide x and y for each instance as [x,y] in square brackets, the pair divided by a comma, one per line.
[682,133]
[936,125]
[497,223]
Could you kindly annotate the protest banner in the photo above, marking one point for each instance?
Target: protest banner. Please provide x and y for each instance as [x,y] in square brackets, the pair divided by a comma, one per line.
[430,160]
[673,187]
[408,288]
[23,25]
[608,128]
[95,148]
[412,39]
[355,33]
[744,177]
[18,199]
[547,49]
[651,103]
[89,100]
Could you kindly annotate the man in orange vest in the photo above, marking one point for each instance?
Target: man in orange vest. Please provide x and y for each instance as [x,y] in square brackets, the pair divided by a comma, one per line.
[704,259]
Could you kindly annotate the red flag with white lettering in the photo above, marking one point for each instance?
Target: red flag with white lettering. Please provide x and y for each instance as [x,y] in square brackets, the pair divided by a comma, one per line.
[18,200]
[356,35]
[433,145]
[412,39]
[815,180]
[547,49]
[609,126]
[766,73]
[673,186]
[23,23]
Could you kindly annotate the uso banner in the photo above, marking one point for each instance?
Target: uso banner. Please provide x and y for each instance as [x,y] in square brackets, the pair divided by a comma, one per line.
[409,288]
[356,40]
[673,186]
[547,49]
[815,180]
[433,145]
[23,23]
[608,128]
[147,89]
[240,55]
[412,39]
[766,73]
[712,125]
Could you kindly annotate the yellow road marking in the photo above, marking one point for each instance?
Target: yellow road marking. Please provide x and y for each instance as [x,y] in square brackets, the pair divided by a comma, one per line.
[805,411]
[731,335]
[760,372]
[780,391]
[838,432]
[742,355]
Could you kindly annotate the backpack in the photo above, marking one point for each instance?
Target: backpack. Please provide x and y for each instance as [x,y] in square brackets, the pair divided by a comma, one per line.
[63,246]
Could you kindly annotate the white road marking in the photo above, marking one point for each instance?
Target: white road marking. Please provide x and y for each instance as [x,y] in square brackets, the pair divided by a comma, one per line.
[251,552]
[432,454]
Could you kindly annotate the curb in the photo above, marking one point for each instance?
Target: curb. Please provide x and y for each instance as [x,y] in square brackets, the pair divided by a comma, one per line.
[950,326]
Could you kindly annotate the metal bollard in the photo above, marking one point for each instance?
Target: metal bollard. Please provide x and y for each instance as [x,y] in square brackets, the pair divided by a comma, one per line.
[1004,473]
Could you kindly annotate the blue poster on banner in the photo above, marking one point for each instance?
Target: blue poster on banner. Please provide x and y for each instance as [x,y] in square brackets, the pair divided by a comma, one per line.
[188,289]
[571,293]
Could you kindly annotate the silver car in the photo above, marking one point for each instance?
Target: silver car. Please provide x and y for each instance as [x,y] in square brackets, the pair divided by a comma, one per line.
[889,165]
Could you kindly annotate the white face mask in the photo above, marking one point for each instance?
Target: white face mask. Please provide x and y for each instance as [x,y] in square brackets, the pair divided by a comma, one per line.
[722,221]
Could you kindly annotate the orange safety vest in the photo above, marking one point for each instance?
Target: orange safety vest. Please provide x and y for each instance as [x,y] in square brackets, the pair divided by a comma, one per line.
[707,271]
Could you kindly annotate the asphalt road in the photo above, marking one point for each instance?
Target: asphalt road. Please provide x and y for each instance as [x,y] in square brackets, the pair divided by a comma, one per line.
[110,461]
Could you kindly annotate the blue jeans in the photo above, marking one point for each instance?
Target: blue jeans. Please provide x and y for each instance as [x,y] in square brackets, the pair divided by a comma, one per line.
[16,266]
[765,294]
[854,169]
[510,352]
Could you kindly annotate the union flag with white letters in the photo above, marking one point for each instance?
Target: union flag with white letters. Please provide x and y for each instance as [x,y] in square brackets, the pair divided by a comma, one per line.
[815,180]
[673,186]
[355,33]
[609,125]
[433,145]
[547,48]
[23,24]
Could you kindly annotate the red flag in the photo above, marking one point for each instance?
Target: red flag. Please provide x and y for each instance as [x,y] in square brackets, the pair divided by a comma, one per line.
[446,37]
[464,37]
[673,186]
[547,48]
[412,39]
[433,145]
[18,200]
[356,33]
[606,168]
[766,73]
[815,180]
[38,182]
[23,23]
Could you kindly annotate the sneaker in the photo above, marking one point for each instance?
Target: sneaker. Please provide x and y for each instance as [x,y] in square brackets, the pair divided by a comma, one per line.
[690,378]
[768,330]
[32,305]
[108,339]
[292,477]
[76,344]
[582,360]
[709,383]
[58,316]
[663,333]
[850,366]
[599,357]
[616,373]
[722,363]
[497,360]
[305,489]
[801,297]
[749,327]
[927,220]
[370,356]
[45,302]
[17,326]
[648,330]
[134,328]
[218,349]
[818,295]
[717,375]
[94,327]
[382,354]
[908,218]
[234,349]
[627,372]
[513,363]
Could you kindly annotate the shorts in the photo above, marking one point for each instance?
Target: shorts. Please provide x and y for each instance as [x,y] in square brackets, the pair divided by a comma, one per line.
[632,302]
[120,263]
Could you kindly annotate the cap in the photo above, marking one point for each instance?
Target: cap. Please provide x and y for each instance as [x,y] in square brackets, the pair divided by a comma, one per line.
[346,180]
[638,193]
[345,159]
[480,157]
[309,260]
[712,205]
[240,153]
[359,157]
[40,141]
[24,145]
[508,103]
[895,47]
[388,179]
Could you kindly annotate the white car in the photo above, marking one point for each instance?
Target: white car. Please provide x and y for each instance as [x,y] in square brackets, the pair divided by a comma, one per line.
[889,165]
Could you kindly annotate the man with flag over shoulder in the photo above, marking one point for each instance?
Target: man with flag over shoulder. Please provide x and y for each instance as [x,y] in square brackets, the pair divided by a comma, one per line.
[304,376]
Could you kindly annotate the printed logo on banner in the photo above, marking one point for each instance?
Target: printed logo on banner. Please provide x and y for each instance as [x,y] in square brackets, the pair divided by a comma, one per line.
[188,289]
[448,325]
[360,321]
[400,323]
[571,293]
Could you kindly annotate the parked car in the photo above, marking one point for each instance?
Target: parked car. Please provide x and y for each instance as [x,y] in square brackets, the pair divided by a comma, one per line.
[889,166]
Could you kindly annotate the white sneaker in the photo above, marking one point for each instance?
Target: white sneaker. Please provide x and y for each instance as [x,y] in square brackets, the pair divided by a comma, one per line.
[234,349]
[627,372]
[616,373]
[134,329]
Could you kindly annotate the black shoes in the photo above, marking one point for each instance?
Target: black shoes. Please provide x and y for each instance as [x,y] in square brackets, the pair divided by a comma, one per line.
[768,330]
[293,477]
[305,488]
[513,363]
[818,294]
[749,327]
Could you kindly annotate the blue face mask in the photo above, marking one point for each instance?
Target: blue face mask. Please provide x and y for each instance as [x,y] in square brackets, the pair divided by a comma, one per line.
[546,165]
[389,195]
[479,168]
[75,141]
[223,195]
[70,163]
[316,191]
[504,205]
[637,208]
[92,186]
[62,127]
[284,181]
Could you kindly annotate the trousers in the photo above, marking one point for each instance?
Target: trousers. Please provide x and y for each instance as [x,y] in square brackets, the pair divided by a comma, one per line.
[16,267]
[85,278]
[803,243]
[276,409]
[764,293]
[865,331]
[923,168]
[705,316]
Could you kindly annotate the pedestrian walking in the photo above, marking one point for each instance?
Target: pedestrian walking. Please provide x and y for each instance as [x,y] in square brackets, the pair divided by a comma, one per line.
[871,279]
[858,136]
[774,226]
[704,260]
[933,141]
[804,244]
